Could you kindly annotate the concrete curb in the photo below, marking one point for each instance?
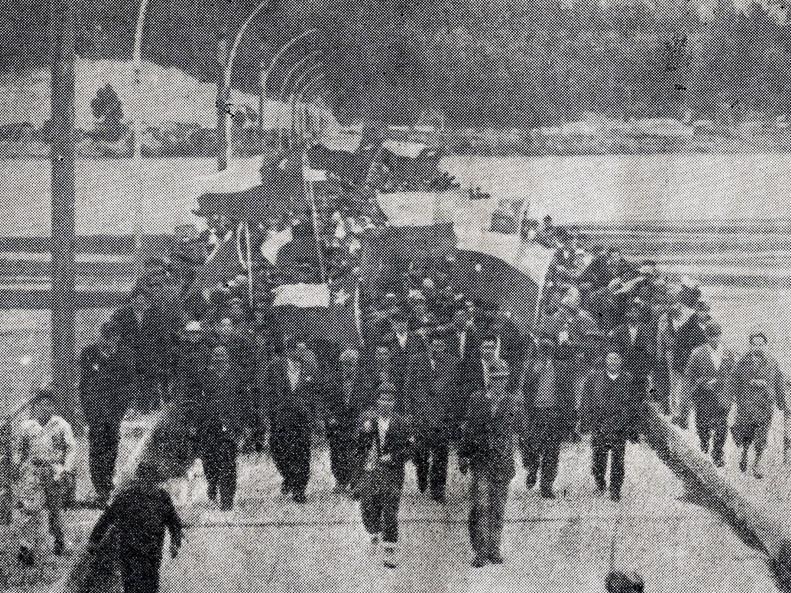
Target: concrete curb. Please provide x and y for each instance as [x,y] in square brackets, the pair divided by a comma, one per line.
[771,533]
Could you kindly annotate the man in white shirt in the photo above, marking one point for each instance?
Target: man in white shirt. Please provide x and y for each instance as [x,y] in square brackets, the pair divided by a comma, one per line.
[704,385]
[384,444]
[43,455]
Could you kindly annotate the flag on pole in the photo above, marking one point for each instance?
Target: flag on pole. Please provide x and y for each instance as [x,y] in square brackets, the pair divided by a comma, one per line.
[314,175]
[223,263]
[274,242]
[324,312]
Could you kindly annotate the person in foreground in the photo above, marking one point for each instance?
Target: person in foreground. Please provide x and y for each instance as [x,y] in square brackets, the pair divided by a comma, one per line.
[612,413]
[756,385]
[487,448]
[140,514]
[384,445]
[44,457]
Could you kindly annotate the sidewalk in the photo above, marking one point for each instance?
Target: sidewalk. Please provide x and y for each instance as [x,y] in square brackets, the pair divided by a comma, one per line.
[569,544]
[761,505]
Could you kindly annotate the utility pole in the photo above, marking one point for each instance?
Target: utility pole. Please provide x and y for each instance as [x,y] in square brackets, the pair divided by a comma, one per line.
[62,297]
[262,75]
[222,95]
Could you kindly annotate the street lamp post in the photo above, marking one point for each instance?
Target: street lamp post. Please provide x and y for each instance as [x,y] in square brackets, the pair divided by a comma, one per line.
[284,87]
[295,91]
[137,140]
[266,70]
[302,112]
[227,148]
[62,155]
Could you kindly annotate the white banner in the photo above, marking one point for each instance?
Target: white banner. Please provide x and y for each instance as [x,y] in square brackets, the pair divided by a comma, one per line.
[302,295]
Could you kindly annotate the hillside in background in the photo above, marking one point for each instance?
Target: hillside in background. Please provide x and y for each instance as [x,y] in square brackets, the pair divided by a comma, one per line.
[471,63]
[169,95]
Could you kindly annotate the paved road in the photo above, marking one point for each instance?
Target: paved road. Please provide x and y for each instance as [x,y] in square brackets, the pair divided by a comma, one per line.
[270,544]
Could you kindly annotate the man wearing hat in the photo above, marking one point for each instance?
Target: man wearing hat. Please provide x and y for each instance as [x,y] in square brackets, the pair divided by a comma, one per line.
[634,340]
[757,386]
[192,358]
[487,447]
[149,333]
[704,386]
[384,444]
[43,457]
[611,410]
[403,345]
[106,387]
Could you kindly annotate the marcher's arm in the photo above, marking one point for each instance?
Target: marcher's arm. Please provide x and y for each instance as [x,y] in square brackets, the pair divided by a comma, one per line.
[780,391]
[70,448]
[172,520]
[106,519]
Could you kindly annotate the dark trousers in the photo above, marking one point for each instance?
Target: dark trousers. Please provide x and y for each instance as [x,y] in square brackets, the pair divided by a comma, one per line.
[380,498]
[218,452]
[103,438]
[612,447]
[290,447]
[341,454]
[661,392]
[149,393]
[431,461]
[541,447]
[487,513]
[712,429]
[140,572]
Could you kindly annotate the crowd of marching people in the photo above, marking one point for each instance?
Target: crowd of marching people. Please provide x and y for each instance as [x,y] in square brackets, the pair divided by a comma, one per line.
[436,373]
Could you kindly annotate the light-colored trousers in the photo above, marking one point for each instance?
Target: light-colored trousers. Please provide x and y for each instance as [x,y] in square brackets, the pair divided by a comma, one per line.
[40,494]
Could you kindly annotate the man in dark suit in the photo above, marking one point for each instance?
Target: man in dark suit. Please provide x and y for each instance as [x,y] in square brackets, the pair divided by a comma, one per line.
[432,398]
[543,428]
[384,444]
[149,333]
[509,344]
[476,374]
[487,447]
[634,341]
[463,341]
[107,383]
[223,409]
[403,345]
[290,399]
[344,401]
[611,410]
